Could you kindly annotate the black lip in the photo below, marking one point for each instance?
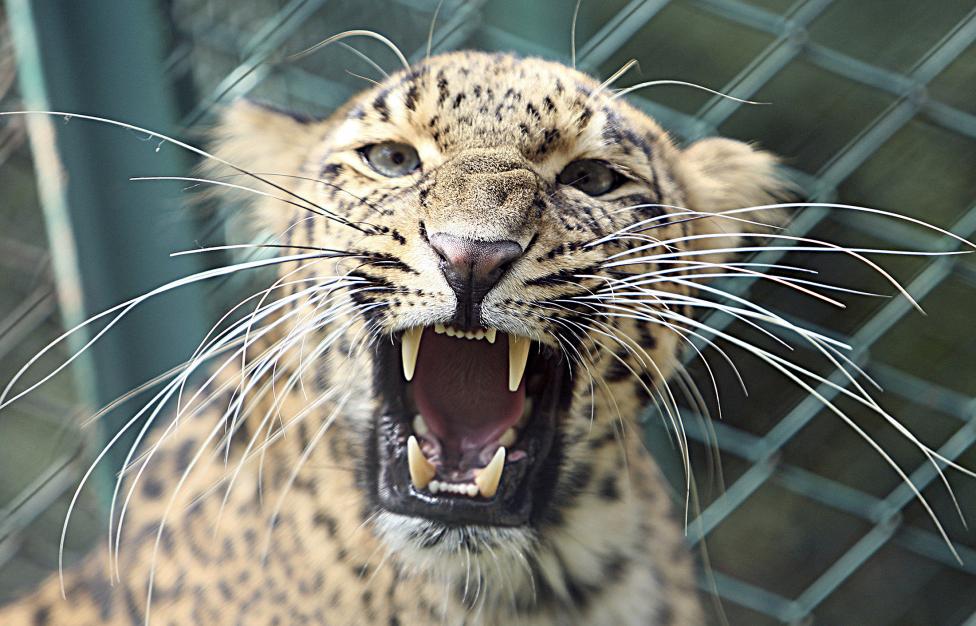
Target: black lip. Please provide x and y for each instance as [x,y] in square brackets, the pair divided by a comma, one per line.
[527,485]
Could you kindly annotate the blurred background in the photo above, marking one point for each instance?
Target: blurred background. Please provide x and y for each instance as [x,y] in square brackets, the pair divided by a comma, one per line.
[872,103]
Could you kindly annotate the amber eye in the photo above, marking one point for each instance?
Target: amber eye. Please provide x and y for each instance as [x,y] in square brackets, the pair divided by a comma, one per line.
[591,176]
[391,158]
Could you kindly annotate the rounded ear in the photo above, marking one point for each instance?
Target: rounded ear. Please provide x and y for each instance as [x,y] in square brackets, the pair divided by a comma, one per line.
[266,141]
[722,175]
[262,138]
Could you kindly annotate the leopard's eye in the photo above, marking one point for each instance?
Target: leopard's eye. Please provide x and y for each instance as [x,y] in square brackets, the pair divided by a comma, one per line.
[391,158]
[591,176]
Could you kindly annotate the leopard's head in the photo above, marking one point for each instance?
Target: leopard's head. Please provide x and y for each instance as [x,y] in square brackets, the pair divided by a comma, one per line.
[499,261]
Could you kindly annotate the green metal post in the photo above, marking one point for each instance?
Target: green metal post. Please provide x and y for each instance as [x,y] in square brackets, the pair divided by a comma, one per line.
[110,238]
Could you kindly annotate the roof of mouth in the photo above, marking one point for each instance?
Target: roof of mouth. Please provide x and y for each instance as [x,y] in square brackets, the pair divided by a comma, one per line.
[461,387]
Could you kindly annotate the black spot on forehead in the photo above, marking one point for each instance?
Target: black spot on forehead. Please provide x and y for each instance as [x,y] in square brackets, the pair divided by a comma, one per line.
[410,100]
[380,105]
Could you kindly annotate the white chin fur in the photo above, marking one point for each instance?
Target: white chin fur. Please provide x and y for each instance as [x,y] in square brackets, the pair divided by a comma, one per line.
[498,549]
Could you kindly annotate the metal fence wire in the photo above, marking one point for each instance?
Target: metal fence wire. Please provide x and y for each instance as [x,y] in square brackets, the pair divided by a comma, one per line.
[872,104]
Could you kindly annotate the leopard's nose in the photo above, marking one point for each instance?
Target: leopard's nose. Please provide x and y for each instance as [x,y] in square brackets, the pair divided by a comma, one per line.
[472,268]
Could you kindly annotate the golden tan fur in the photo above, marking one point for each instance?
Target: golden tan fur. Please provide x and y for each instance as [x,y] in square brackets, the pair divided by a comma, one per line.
[493,132]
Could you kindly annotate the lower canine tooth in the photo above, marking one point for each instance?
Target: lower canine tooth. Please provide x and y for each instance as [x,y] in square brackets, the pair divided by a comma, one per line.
[489,477]
[518,356]
[410,349]
[421,470]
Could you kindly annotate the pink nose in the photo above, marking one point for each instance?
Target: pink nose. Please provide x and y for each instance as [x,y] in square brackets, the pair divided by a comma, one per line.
[472,268]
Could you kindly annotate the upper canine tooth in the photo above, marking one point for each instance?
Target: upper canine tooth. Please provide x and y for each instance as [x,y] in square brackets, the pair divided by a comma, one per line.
[421,470]
[439,329]
[518,355]
[489,477]
[490,335]
[410,349]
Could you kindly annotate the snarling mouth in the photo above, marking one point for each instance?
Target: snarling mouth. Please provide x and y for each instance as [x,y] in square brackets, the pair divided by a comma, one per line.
[467,433]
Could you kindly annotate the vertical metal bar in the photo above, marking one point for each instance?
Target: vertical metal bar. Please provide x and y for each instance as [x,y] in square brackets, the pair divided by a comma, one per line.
[110,238]
[51,181]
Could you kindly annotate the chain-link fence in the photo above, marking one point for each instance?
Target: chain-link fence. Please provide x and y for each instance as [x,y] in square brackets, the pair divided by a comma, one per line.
[872,104]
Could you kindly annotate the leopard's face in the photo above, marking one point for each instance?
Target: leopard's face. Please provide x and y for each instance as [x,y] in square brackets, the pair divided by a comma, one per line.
[516,282]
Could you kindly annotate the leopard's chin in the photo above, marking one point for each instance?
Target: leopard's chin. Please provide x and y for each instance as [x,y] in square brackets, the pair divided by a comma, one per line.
[468,428]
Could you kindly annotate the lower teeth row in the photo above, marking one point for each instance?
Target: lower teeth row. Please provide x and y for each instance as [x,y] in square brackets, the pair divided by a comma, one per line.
[466,489]
[422,473]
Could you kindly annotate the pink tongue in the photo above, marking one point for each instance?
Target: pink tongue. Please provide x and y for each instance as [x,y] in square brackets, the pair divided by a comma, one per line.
[461,389]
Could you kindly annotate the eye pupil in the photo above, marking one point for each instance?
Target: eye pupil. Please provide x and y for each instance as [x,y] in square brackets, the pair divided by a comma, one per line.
[391,159]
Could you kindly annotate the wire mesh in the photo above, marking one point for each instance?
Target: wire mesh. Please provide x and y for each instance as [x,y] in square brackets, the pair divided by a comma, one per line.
[871,105]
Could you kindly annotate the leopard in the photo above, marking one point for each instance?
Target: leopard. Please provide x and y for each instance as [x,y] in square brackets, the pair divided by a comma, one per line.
[483,275]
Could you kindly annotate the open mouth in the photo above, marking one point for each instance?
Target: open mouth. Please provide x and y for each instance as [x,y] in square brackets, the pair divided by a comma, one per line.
[467,432]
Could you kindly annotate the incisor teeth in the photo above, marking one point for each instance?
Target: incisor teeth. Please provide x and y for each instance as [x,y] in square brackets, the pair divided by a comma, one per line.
[461,489]
[410,349]
[450,331]
[489,477]
[421,470]
[518,355]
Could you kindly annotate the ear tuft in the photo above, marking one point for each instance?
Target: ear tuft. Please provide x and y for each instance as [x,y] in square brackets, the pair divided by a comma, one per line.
[723,174]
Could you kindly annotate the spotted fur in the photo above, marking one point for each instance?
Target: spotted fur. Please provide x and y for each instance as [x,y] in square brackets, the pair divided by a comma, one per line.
[493,131]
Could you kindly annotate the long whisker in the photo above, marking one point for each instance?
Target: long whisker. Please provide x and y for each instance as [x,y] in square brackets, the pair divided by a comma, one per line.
[320,212]
[680,83]
[613,77]
[787,368]
[326,183]
[353,33]
[218,183]
[572,33]
[185,146]
[124,308]
[430,31]
[819,247]
[376,66]
[202,355]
